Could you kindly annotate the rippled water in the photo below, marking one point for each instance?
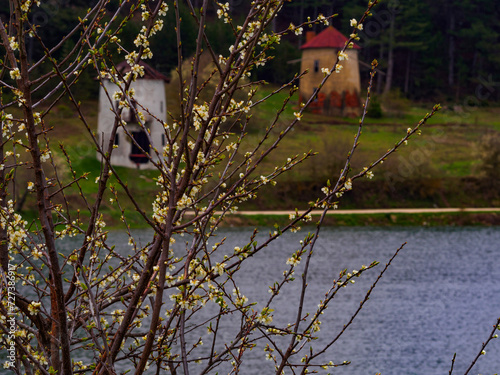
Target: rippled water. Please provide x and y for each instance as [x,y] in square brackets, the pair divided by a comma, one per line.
[441,296]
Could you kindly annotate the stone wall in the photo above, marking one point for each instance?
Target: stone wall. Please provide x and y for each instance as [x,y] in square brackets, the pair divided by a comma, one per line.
[340,94]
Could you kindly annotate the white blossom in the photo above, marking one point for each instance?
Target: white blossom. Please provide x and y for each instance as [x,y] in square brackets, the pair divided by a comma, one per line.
[15,74]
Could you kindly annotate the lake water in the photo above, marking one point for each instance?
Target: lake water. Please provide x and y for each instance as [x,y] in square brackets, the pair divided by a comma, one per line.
[441,296]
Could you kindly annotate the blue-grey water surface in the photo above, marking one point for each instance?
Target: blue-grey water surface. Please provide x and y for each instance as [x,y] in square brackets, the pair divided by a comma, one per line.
[441,296]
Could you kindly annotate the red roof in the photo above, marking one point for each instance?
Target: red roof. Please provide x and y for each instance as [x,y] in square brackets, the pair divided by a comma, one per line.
[328,38]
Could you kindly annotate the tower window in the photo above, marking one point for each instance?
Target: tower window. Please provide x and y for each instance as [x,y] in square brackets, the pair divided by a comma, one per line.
[316,66]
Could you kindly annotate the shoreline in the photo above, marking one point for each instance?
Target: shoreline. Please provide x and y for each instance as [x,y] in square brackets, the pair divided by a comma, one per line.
[371,211]
[374,217]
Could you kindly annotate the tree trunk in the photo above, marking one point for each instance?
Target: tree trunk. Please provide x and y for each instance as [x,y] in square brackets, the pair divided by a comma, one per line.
[4,247]
[301,19]
[451,51]
[407,73]
[380,77]
[390,58]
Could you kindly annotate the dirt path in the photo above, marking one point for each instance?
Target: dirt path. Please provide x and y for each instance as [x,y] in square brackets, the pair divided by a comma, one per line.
[377,211]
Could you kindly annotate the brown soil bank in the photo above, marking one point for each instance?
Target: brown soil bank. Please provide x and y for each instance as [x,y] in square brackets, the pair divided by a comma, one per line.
[386,193]
[388,219]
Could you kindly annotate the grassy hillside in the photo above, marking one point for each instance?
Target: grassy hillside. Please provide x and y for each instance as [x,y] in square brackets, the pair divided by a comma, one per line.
[449,146]
[445,166]
[454,162]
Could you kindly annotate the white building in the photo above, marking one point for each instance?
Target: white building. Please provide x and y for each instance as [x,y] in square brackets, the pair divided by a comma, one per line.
[150,94]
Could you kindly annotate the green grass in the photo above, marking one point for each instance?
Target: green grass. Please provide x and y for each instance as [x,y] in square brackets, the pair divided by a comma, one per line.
[447,149]
[269,108]
[448,144]
[67,131]
[461,168]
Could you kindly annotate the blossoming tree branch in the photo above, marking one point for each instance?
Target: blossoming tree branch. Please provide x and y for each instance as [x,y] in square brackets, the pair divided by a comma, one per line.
[96,310]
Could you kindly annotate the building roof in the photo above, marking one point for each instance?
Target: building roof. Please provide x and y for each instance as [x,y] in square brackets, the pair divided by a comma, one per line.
[149,71]
[328,38]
